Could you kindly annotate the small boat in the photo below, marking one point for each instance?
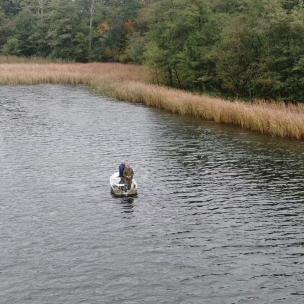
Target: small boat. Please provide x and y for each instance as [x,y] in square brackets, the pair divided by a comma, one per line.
[121,190]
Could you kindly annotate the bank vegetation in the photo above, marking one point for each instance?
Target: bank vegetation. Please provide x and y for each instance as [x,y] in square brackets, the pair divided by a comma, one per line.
[135,84]
[237,49]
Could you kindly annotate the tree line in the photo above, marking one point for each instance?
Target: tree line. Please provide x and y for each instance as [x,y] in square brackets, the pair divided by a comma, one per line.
[239,48]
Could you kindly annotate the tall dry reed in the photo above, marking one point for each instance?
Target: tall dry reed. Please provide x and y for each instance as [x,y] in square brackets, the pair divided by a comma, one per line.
[133,84]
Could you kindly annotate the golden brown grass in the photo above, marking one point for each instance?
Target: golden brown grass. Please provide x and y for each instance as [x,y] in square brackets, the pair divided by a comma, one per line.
[134,84]
[15,59]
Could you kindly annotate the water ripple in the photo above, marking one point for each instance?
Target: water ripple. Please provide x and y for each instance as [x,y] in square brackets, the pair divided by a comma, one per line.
[219,218]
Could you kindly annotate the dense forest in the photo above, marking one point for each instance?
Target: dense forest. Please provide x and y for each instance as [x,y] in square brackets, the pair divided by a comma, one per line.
[240,48]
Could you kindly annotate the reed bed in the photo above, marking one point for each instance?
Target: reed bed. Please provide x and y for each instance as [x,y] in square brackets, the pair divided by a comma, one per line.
[134,84]
[15,59]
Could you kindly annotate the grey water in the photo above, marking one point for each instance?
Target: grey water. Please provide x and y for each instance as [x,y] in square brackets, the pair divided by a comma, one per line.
[219,217]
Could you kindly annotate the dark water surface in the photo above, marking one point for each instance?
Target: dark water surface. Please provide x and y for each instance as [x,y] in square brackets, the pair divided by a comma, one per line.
[219,218]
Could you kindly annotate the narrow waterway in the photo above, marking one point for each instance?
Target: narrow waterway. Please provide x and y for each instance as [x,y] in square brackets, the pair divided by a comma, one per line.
[219,217]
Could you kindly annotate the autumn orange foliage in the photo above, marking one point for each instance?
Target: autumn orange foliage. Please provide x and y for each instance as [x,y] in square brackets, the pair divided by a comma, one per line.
[130,25]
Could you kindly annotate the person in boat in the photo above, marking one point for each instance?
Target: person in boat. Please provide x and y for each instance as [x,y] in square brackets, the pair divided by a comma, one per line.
[128,175]
[121,169]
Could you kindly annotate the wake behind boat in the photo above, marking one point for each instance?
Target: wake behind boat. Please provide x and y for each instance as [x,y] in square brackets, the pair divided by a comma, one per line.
[120,189]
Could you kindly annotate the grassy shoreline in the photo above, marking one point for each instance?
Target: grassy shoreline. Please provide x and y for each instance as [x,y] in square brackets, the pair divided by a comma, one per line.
[134,84]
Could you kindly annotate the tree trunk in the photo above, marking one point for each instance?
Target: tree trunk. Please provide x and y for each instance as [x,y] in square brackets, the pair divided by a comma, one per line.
[41,7]
[170,74]
[177,78]
[92,11]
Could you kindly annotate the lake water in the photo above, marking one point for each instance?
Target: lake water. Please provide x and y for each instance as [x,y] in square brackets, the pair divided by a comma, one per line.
[219,217]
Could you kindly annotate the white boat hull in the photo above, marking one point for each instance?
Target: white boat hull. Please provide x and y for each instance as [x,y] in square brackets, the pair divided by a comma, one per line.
[121,190]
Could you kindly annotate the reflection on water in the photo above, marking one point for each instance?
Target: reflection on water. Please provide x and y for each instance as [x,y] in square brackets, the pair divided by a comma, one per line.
[219,217]
[127,204]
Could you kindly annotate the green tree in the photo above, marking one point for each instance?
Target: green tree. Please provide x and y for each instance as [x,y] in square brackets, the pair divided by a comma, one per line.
[11,7]
[112,23]
[6,28]
[25,26]
[182,39]
[283,54]
[67,34]
[238,56]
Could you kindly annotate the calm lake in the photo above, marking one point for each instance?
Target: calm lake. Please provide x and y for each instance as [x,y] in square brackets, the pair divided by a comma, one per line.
[219,217]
